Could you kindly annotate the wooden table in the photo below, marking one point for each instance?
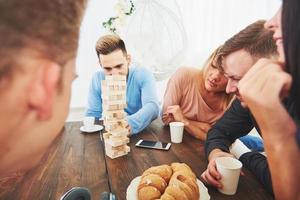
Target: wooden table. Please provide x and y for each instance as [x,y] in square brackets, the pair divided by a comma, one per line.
[76,159]
[191,151]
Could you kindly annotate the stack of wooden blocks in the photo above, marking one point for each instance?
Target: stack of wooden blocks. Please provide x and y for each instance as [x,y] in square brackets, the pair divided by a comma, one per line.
[113,104]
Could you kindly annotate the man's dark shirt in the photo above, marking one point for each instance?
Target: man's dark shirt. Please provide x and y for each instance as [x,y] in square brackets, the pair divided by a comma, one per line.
[236,122]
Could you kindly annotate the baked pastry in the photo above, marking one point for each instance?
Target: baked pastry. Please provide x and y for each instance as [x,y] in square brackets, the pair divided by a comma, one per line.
[148,193]
[155,181]
[164,182]
[165,171]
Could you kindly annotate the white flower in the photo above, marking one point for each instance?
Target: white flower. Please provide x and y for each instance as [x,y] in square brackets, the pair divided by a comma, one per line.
[123,8]
[120,7]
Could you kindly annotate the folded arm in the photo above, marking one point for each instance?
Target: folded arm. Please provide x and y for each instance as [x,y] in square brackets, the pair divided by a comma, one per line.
[195,128]
[150,109]
[263,93]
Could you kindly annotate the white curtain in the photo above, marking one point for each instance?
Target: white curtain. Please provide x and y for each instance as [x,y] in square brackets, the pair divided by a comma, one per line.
[207,24]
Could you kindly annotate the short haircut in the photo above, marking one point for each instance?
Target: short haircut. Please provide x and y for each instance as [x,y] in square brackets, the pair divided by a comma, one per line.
[254,39]
[108,44]
[47,28]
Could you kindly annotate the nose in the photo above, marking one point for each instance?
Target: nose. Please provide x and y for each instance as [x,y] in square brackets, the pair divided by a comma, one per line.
[215,76]
[272,23]
[115,71]
[231,87]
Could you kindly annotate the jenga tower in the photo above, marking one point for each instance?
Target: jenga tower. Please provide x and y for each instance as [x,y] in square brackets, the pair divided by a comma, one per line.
[114,102]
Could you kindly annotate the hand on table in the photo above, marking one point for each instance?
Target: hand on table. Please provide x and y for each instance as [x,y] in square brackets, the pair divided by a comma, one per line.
[176,112]
[129,130]
[166,118]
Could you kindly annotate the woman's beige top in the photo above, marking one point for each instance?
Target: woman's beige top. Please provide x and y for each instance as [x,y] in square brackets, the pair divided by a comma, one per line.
[183,89]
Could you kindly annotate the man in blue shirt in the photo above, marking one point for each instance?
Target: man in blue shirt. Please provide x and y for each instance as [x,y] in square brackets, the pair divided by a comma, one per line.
[141,98]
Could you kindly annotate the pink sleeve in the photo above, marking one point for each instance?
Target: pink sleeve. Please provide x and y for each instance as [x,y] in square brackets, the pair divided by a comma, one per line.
[173,91]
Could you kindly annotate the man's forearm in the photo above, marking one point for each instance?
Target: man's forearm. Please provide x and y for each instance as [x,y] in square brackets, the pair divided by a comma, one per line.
[284,168]
[278,130]
[142,118]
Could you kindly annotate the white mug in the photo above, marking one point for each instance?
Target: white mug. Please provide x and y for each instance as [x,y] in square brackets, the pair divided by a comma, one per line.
[88,123]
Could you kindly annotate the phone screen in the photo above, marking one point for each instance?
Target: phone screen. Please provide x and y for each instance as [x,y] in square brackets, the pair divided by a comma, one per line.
[153,144]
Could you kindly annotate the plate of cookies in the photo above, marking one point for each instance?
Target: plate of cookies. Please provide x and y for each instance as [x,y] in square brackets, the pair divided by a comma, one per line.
[167,182]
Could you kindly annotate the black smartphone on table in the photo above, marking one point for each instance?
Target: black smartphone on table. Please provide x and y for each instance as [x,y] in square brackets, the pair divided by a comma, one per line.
[153,144]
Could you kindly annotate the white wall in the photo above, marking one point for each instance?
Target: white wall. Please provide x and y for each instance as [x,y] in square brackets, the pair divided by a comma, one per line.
[208,23]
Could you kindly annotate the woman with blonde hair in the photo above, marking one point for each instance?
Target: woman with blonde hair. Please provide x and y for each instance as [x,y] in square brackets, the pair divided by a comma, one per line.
[196,97]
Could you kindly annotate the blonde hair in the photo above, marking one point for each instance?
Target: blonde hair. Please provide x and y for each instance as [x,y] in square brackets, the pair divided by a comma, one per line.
[212,62]
[108,44]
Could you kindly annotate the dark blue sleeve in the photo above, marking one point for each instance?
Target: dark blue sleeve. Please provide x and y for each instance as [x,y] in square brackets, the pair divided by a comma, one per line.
[235,123]
[258,165]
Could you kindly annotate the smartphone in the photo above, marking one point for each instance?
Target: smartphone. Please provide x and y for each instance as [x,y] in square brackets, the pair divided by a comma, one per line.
[153,144]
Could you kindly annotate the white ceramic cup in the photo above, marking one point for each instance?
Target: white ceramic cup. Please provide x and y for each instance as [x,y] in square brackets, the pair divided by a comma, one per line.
[88,123]
[230,169]
[176,130]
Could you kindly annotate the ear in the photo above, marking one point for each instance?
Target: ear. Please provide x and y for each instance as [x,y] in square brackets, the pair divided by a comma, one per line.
[129,58]
[43,89]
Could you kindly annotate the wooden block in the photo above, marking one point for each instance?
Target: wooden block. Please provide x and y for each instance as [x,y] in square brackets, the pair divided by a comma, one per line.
[111,126]
[127,149]
[115,102]
[117,142]
[113,88]
[114,114]
[123,123]
[116,97]
[116,77]
[113,92]
[110,85]
[114,107]
[112,149]
[119,132]
[116,156]
[116,137]
[106,121]
[114,152]
[106,136]
[108,88]
[106,83]
[117,124]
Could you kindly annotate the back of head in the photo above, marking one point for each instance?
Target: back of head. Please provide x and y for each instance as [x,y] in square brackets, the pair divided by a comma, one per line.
[108,44]
[47,28]
[291,38]
[38,37]
[254,39]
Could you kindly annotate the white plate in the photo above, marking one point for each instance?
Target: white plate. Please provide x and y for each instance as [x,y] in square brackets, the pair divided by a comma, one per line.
[131,193]
[94,129]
